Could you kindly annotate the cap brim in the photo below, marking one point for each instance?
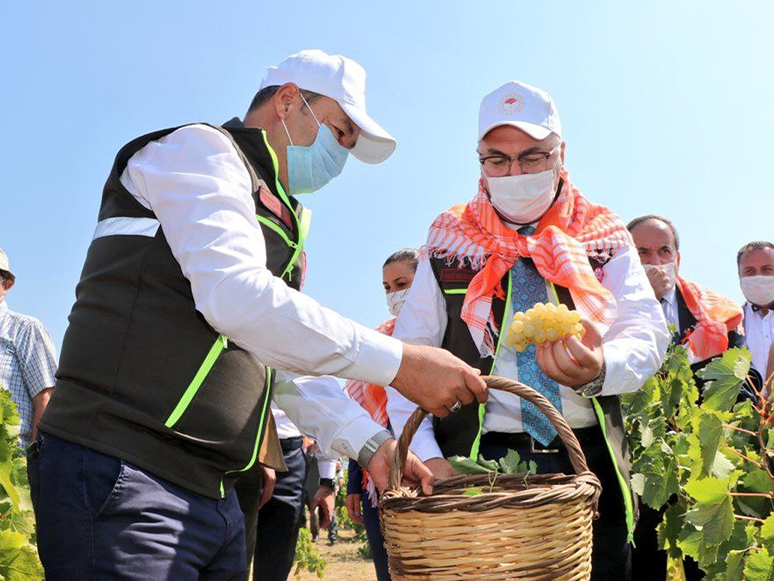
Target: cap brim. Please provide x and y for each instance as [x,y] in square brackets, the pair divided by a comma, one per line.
[535,131]
[374,144]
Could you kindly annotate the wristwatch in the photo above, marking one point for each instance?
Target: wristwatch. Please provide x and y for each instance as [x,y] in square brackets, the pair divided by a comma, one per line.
[594,387]
[326,482]
[370,447]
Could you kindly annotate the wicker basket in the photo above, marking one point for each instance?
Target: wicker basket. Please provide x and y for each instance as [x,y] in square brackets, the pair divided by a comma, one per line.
[527,528]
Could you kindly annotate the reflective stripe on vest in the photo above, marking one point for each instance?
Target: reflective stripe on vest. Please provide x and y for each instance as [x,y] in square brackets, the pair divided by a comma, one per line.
[123,226]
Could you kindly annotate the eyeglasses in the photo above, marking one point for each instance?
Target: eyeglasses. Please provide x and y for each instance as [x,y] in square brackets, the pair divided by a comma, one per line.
[497,166]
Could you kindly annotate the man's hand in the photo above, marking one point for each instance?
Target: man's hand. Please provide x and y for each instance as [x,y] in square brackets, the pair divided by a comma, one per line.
[414,471]
[435,380]
[325,500]
[39,403]
[269,480]
[355,508]
[441,468]
[571,361]
[660,281]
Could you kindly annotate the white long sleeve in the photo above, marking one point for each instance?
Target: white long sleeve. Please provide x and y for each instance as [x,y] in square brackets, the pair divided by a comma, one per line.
[319,408]
[200,191]
[633,349]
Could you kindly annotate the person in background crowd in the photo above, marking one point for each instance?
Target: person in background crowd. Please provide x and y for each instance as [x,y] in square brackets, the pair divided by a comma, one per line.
[707,324]
[529,236]
[188,321]
[362,497]
[755,262]
[272,524]
[27,360]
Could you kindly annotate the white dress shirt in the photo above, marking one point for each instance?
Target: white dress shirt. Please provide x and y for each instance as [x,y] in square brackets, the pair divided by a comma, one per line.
[287,429]
[633,349]
[758,331]
[199,189]
[669,306]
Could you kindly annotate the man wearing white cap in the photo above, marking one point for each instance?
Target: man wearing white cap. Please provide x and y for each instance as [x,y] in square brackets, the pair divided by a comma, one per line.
[529,237]
[188,321]
[27,359]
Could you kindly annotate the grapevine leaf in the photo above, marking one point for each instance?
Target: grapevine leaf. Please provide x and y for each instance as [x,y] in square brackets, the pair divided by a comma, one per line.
[509,464]
[710,433]
[465,465]
[7,484]
[473,492]
[735,565]
[691,542]
[724,376]
[23,565]
[714,519]
[669,530]
[710,490]
[767,532]
[490,465]
[759,566]
[657,465]
[638,484]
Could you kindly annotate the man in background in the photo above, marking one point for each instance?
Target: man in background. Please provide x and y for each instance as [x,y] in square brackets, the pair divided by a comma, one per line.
[27,359]
[755,262]
[707,324]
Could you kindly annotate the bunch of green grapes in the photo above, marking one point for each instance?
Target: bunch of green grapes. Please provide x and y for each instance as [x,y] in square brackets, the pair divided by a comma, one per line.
[541,323]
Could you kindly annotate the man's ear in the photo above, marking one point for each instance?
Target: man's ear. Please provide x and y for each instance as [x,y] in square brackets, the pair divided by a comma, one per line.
[284,98]
[678,259]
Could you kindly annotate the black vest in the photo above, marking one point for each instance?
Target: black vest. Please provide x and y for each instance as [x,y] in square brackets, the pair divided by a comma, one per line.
[142,375]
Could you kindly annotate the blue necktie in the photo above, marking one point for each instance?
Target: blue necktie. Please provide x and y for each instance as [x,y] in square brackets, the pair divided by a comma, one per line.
[528,288]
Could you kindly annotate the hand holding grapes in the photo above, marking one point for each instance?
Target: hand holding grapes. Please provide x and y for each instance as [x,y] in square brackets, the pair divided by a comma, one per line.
[573,361]
[568,348]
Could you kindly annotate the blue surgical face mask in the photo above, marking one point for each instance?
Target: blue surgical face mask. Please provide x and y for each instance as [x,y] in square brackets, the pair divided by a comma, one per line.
[311,167]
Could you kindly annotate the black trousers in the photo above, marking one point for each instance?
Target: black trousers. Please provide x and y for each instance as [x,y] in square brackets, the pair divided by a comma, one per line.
[648,563]
[274,528]
[611,555]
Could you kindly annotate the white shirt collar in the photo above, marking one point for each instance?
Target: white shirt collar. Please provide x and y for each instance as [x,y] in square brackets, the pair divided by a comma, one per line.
[3,306]
[671,297]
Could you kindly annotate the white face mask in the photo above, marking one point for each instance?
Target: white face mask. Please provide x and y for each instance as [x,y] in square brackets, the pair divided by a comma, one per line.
[524,198]
[759,290]
[669,269]
[395,301]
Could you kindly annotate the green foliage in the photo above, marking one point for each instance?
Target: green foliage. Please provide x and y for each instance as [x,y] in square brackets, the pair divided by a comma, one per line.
[18,555]
[708,463]
[307,556]
[509,464]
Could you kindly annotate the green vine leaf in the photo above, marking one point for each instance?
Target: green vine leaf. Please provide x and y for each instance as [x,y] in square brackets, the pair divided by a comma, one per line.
[759,566]
[724,376]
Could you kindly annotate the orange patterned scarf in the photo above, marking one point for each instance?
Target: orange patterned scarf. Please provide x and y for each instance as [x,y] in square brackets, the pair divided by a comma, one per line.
[715,315]
[372,397]
[571,231]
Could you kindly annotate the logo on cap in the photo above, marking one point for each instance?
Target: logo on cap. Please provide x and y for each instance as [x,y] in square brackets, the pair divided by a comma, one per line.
[511,104]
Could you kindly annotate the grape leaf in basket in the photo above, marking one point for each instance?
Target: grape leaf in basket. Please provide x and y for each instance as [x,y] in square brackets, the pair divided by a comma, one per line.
[467,466]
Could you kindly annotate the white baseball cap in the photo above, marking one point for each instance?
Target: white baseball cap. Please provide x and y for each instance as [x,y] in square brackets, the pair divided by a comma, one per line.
[343,80]
[4,264]
[521,105]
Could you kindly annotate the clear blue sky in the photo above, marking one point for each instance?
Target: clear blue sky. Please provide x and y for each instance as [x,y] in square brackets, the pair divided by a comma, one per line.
[667,107]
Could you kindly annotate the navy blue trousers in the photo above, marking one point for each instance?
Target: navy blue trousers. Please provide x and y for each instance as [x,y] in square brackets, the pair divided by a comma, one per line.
[100,518]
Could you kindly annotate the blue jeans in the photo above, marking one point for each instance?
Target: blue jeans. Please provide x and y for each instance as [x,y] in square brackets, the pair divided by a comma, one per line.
[101,518]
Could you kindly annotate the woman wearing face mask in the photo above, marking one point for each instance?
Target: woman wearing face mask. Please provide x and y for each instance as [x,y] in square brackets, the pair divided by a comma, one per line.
[362,499]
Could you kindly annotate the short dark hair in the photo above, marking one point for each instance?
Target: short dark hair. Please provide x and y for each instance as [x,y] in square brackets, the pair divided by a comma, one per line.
[264,95]
[410,255]
[749,247]
[637,221]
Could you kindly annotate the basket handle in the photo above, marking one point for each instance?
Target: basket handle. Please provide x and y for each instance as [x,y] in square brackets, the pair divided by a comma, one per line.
[577,458]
